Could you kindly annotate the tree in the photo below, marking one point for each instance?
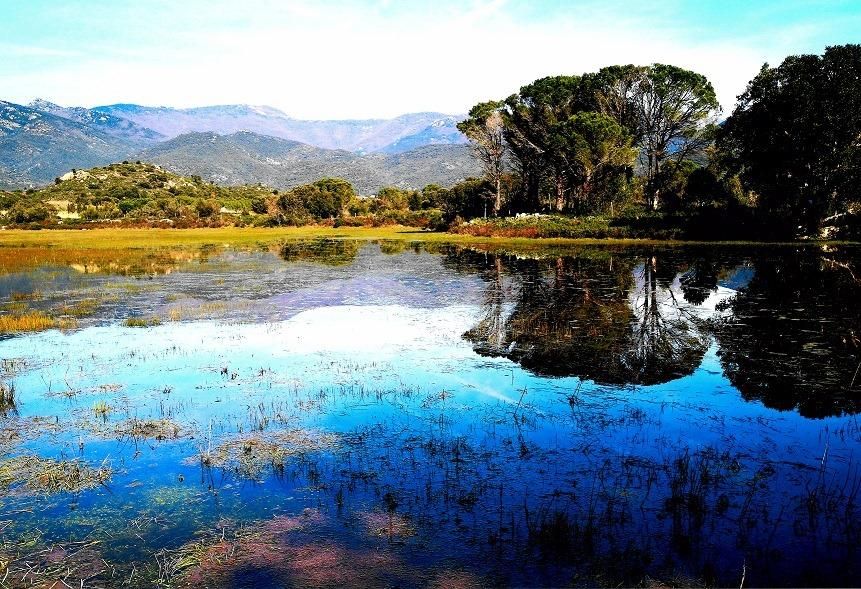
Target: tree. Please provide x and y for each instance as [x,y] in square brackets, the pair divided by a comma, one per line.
[391,198]
[669,111]
[675,110]
[486,132]
[532,121]
[597,151]
[323,199]
[795,138]
[465,199]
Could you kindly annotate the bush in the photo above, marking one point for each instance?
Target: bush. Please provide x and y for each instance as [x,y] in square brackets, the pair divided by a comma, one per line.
[29,213]
[259,205]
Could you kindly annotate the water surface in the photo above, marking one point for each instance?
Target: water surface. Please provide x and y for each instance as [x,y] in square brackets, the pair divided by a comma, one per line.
[330,412]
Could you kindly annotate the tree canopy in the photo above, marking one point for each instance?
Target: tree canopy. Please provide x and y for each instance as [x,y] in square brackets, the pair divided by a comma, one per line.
[795,138]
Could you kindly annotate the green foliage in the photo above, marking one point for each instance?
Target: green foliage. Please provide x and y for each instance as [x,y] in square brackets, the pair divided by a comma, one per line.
[573,140]
[794,139]
[325,198]
[391,198]
[467,199]
[140,193]
[23,212]
[259,205]
[291,209]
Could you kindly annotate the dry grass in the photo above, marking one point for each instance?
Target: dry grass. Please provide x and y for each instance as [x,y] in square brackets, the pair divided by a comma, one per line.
[33,321]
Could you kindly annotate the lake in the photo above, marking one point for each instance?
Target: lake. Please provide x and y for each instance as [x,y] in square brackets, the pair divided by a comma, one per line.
[327,412]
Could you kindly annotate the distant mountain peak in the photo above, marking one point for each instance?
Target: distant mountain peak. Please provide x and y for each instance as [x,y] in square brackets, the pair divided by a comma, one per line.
[42,104]
[44,139]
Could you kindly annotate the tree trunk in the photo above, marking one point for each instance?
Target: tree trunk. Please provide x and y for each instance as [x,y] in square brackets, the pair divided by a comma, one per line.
[560,193]
[497,204]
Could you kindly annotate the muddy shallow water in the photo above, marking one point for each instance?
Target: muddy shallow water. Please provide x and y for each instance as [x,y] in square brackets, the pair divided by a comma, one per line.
[335,412]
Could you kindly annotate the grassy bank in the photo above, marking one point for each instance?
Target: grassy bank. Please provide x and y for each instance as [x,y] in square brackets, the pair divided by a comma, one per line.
[151,238]
[127,238]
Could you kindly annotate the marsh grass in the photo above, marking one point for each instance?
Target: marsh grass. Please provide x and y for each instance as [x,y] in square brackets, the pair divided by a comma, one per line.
[31,562]
[80,309]
[250,455]
[151,429]
[35,295]
[205,310]
[101,409]
[142,321]
[33,321]
[7,398]
[45,476]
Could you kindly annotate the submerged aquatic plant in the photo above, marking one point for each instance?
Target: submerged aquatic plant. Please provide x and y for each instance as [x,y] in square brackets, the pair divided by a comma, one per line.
[7,398]
[251,454]
[388,525]
[32,562]
[38,475]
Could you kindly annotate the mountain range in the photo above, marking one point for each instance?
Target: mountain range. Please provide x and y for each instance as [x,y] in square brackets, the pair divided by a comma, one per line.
[233,144]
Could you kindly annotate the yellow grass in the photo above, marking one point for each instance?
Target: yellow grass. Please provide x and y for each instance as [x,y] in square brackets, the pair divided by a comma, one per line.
[32,321]
[157,238]
[142,322]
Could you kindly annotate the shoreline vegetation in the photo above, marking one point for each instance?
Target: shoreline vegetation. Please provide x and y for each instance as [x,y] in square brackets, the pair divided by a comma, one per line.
[229,236]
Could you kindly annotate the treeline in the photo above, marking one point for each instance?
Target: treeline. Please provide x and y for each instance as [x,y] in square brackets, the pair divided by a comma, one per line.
[647,142]
[142,194]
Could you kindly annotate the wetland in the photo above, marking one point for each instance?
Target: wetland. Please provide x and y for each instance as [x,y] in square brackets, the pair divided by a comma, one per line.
[314,412]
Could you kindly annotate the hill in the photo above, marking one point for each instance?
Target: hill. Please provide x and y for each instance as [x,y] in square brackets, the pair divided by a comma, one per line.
[128,191]
[243,158]
[145,194]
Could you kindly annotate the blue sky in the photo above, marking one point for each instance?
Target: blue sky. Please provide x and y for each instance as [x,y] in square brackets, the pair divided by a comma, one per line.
[326,59]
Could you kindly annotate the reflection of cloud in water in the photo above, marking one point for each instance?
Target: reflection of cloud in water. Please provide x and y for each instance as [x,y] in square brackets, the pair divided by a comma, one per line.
[485,390]
[374,290]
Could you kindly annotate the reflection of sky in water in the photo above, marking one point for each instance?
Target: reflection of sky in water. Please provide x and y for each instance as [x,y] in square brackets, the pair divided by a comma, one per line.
[367,350]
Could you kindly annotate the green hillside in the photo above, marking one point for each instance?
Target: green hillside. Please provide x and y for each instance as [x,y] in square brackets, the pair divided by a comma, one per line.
[146,195]
[133,193]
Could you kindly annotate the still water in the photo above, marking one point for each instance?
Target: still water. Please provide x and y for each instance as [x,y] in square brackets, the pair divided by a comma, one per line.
[335,412]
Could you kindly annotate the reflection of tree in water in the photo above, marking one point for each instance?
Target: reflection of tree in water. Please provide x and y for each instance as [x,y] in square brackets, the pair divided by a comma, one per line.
[577,316]
[699,280]
[490,332]
[667,340]
[329,252]
[793,340]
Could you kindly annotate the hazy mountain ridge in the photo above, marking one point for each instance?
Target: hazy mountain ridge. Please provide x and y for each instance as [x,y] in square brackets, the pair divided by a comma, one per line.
[244,157]
[44,140]
[37,146]
[112,125]
[362,135]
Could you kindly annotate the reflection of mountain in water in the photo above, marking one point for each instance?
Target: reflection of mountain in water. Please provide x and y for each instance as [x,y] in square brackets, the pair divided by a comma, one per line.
[787,322]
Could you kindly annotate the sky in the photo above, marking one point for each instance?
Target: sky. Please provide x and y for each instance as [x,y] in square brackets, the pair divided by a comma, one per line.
[322,59]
